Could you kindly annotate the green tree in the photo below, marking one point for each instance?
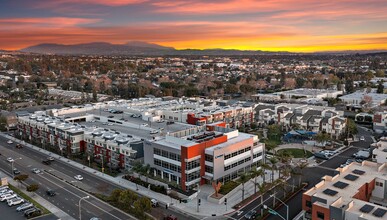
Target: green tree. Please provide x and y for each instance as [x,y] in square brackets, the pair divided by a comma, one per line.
[3,123]
[95,95]
[254,173]
[21,178]
[32,188]
[322,137]
[380,88]
[351,128]
[349,86]
[243,178]
[115,195]
[141,206]
[127,198]
[300,82]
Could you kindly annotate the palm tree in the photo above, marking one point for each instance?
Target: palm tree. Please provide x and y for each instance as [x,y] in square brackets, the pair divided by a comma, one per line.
[265,167]
[243,178]
[262,189]
[273,166]
[302,165]
[254,173]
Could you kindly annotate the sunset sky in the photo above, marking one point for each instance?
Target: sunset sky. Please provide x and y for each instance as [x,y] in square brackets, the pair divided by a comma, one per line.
[271,25]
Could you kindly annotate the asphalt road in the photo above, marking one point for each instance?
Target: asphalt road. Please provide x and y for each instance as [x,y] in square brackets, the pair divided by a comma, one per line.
[67,197]
[90,182]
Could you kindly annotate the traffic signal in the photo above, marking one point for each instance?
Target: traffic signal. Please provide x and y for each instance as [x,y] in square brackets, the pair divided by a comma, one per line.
[225,201]
[199,201]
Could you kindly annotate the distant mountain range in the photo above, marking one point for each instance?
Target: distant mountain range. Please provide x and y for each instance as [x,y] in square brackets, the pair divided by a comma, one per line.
[146,49]
[131,48]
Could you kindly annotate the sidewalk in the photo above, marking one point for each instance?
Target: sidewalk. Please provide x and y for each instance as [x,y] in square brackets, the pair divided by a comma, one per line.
[46,204]
[206,208]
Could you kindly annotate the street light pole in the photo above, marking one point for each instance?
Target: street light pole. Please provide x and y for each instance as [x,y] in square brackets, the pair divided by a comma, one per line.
[13,175]
[86,197]
[287,207]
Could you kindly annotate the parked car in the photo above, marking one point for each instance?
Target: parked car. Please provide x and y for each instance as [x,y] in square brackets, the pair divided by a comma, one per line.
[7,196]
[321,155]
[10,159]
[252,214]
[16,171]
[170,122]
[50,192]
[8,191]
[110,124]
[160,121]
[32,213]
[144,125]
[24,207]
[36,170]
[78,177]
[362,154]
[154,203]
[15,201]
[10,142]
[4,187]
[362,138]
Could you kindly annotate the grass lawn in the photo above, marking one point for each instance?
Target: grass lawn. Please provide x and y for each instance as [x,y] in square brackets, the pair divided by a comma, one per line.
[29,199]
[297,153]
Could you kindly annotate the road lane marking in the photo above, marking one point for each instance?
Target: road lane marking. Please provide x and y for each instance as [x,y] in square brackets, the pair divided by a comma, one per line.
[87,200]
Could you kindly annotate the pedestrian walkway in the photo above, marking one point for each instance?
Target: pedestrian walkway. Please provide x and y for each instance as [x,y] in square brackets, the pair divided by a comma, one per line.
[190,208]
[46,204]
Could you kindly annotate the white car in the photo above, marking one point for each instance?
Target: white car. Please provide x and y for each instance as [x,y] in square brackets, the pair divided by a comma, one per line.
[50,158]
[145,125]
[362,138]
[9,159]
[110,124]
[15,201]
[78,177]
[7,196]
[154,132]
[10,142]
[36,170]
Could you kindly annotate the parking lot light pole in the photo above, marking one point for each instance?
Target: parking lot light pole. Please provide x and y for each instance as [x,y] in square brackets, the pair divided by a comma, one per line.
[86,197]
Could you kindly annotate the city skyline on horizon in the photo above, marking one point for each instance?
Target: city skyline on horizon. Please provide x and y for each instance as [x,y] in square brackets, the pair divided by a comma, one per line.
[269,25]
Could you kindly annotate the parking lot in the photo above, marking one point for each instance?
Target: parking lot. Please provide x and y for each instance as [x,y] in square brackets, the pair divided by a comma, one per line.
[10,212]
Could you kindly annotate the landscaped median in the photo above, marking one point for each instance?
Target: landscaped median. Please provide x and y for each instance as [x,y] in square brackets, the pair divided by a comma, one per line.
[29,199]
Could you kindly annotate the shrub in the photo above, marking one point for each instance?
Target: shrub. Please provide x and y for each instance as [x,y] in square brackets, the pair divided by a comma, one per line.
[227,187]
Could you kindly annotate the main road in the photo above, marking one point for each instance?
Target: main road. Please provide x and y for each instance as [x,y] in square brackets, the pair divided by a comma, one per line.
[57,177]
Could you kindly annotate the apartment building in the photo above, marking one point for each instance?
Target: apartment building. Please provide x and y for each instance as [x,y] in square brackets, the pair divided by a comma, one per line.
[358,191]
[380,122]
[379,153]
[203,154]
[234,117]
[306,117]
[116,148]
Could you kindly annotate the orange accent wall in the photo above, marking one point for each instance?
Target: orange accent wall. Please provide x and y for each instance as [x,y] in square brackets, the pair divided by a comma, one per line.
[365,191]
[316,208]
[196,150]
[304,199]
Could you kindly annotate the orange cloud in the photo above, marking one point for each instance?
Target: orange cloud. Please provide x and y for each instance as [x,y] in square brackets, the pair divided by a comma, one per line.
[42,22]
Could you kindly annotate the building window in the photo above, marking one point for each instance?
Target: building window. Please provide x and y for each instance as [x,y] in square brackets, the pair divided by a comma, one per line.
[258,154]
[308,203]
[320,215]
[209,169]
[157,162]
[157,151]
[379,184]
[164,153]
[192,164]
[209,158]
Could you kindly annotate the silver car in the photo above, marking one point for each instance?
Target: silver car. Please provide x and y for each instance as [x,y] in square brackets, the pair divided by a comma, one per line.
[25,206]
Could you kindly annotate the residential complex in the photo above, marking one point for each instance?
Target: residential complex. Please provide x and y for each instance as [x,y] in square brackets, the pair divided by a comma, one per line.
[358,191]
[307,117]
[379,153]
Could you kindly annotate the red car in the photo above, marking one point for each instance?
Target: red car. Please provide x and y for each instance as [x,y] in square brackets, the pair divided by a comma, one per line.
[170,217]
